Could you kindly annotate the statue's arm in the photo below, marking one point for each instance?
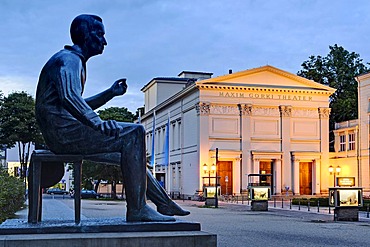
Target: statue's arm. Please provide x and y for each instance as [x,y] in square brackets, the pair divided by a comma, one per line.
[100,99]
[119,87]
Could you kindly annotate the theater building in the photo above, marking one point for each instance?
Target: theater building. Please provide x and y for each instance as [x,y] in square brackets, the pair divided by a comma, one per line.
[261,121]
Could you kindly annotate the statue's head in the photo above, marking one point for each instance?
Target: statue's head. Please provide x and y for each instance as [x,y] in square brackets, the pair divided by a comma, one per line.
[87,31]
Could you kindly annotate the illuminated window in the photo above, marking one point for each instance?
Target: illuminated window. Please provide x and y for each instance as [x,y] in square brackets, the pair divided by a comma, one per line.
[351,141]
[342,143]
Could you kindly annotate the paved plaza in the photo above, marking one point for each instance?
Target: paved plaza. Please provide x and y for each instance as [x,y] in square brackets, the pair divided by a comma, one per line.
[236,225]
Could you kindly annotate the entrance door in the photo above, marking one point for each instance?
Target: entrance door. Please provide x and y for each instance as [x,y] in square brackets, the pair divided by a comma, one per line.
[305,178]
[225,174]
[266,168]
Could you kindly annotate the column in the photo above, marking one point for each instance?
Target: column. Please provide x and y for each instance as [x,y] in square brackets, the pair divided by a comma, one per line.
[296,176]
[246,114]
[324,113]
[316,183]
[285,126]
[277,176]
[203,111]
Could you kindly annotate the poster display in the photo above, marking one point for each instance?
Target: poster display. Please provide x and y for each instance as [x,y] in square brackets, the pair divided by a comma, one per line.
[259,193]
[345,197]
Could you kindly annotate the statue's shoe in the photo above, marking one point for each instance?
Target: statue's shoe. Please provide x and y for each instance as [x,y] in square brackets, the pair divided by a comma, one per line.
[146,214]
[172,208]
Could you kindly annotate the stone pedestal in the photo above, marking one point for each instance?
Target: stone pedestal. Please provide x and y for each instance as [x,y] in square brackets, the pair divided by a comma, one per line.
[129,239]
[259,205]
[211,202]
[104,232]
[346,214]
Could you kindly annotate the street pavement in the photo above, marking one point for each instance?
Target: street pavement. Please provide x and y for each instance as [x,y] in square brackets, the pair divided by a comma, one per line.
[235,224]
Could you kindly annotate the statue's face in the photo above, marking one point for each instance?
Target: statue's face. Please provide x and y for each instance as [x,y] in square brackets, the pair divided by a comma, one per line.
[95,40]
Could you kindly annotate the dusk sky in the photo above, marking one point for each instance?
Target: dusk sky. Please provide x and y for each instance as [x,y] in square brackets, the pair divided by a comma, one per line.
[149,38]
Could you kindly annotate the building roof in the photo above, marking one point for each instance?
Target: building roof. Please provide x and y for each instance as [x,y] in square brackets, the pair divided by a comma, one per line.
[266,77]
[163,79]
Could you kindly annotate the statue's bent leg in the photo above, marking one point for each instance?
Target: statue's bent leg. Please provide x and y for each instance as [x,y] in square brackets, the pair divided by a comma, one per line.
[159,197]
[133,164]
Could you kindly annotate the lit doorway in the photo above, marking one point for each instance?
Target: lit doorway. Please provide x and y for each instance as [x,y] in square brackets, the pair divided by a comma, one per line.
[225,174]
[266,168]
[305,178]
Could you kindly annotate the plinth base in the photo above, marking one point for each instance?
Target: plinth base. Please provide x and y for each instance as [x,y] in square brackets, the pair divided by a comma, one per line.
[130,239]
[259,205]
[346,214]
[211,202]
[104,232]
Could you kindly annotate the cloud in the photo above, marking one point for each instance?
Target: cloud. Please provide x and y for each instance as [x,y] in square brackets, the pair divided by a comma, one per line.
[17,84]
[148,38]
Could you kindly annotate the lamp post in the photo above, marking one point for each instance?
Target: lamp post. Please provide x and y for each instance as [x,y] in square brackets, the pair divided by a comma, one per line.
[226,181]
[216,195]
[337,171]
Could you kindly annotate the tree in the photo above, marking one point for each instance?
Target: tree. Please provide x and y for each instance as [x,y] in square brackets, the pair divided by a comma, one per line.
[120,114]
[98,172]
[338,70]
[18,125]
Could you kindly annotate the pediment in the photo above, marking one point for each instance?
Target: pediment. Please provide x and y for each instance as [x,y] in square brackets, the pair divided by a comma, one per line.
[265,77]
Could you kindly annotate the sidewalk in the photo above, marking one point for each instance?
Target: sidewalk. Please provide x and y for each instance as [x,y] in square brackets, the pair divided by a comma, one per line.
[284,208]
[59,209]
[234,223]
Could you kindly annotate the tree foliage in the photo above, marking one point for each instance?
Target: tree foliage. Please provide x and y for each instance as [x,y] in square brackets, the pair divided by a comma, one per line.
[96,171]
[18,125]
[338,70]
[120,114]
[11,195]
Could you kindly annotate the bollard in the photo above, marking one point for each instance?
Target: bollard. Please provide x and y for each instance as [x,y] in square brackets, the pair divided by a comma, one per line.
[308,205]
[237,199]
[299,204]
[274,202]
[242,199]
[282,202]
[367,209]
[329,209]
[290,203]
[318,205]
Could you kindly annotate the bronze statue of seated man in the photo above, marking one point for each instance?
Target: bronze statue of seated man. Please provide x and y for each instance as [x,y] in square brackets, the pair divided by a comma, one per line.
[70,126]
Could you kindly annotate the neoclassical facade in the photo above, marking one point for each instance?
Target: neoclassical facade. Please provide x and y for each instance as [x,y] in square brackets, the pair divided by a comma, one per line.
[261,121]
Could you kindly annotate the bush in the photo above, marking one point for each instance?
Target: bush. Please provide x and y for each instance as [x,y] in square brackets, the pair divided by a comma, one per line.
[11,195]
[365,203]
[324,201]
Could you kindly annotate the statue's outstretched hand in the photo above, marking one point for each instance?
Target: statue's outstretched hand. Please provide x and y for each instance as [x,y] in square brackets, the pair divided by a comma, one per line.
[110,128]
[119,87]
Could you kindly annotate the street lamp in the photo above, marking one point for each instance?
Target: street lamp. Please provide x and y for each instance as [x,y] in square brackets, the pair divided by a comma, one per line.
[216,195]
[337,171]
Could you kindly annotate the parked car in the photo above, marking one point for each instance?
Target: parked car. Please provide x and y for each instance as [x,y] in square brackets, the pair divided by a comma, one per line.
[89,194]
[56,191]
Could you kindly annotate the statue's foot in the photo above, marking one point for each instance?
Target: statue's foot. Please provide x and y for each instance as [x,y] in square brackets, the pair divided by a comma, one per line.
[172,208]
[146,214]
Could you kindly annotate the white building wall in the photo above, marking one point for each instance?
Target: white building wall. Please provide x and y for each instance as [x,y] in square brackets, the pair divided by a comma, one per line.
[363,113]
